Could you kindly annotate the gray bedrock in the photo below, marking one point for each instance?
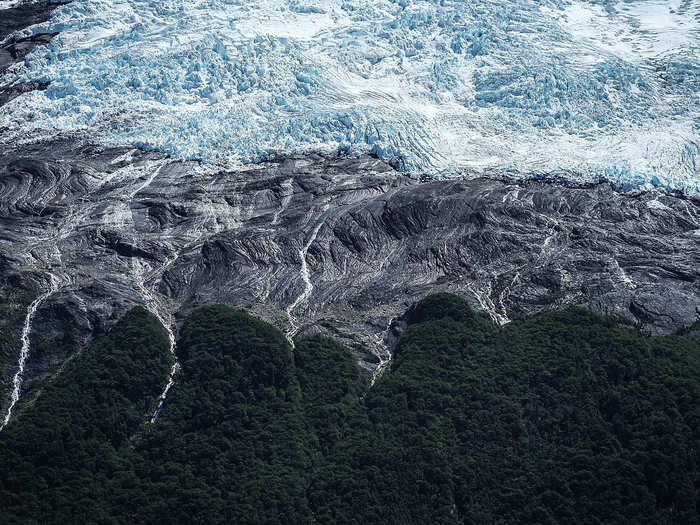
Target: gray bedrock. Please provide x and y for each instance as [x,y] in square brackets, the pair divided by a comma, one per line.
[340,246]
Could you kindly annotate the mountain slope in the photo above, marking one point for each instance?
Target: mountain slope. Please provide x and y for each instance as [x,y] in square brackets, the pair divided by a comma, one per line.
[63,453]
[556,418]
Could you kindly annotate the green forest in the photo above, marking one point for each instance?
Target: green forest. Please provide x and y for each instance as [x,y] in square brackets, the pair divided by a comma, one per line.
[562,417]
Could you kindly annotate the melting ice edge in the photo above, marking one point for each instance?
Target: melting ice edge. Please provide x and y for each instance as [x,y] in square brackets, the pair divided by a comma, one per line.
[586,89]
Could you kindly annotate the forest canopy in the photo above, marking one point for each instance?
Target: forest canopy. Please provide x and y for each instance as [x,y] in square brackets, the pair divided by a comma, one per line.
[562,417]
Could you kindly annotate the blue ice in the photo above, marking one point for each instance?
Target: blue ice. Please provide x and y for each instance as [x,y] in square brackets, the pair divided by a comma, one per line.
[590,89]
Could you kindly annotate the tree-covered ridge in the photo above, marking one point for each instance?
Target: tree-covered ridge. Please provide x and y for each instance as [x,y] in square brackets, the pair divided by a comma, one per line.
[13,308]
[62,456]
[562,417]
[231,445]
[559,418]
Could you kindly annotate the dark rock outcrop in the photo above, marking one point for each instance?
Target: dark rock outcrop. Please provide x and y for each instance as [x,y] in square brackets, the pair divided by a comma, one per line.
[335,245]
[13,48]
[25,15]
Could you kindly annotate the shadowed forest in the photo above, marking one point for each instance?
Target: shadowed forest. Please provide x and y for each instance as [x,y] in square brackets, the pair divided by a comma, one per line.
[563,417]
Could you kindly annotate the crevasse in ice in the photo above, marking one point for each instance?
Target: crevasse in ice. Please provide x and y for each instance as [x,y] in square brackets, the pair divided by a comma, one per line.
[581,89]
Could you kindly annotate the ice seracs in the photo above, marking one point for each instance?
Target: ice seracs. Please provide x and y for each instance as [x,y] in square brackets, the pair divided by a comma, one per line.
[443,87]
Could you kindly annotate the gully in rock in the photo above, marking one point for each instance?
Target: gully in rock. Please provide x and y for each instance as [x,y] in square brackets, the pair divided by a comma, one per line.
[384,356]
[154,306]
[308,285]
[24,352]
[166,320]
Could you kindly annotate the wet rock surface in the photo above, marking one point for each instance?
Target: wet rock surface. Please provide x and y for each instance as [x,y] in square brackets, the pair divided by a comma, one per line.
[14,48]
[25,15]
[17,48]
[334,245]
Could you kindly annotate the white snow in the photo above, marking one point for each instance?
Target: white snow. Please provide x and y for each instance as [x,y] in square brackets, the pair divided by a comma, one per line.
[634,30]
[656,204]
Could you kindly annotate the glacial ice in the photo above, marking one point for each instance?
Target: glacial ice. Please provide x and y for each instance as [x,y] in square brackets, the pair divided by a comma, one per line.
[6,4]
[581,89]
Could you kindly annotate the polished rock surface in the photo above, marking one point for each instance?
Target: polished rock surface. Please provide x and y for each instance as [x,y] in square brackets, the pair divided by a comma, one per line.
[335,245]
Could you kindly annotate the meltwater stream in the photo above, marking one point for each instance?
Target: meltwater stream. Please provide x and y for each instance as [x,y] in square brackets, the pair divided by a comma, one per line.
[24,351]
[305,276]
[585,89]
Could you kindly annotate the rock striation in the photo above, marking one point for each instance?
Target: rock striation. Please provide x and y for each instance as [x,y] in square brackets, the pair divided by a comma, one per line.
[334,245]
[14,48]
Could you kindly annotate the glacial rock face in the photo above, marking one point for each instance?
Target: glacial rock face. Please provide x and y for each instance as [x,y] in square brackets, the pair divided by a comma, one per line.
[17,49]
[334,245]
[25,15]
[13,49]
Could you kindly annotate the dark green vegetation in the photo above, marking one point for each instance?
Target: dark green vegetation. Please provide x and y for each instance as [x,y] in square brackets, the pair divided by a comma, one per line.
[13,308]
[67,454]
[559,418]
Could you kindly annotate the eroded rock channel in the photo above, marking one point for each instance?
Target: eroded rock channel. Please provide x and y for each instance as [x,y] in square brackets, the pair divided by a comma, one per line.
[334,245]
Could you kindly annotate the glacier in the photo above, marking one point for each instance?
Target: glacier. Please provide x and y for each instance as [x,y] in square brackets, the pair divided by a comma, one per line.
[584,90]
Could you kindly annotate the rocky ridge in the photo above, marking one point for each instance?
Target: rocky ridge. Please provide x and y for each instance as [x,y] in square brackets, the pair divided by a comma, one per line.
[334,245]
[13,47]
[313,244]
